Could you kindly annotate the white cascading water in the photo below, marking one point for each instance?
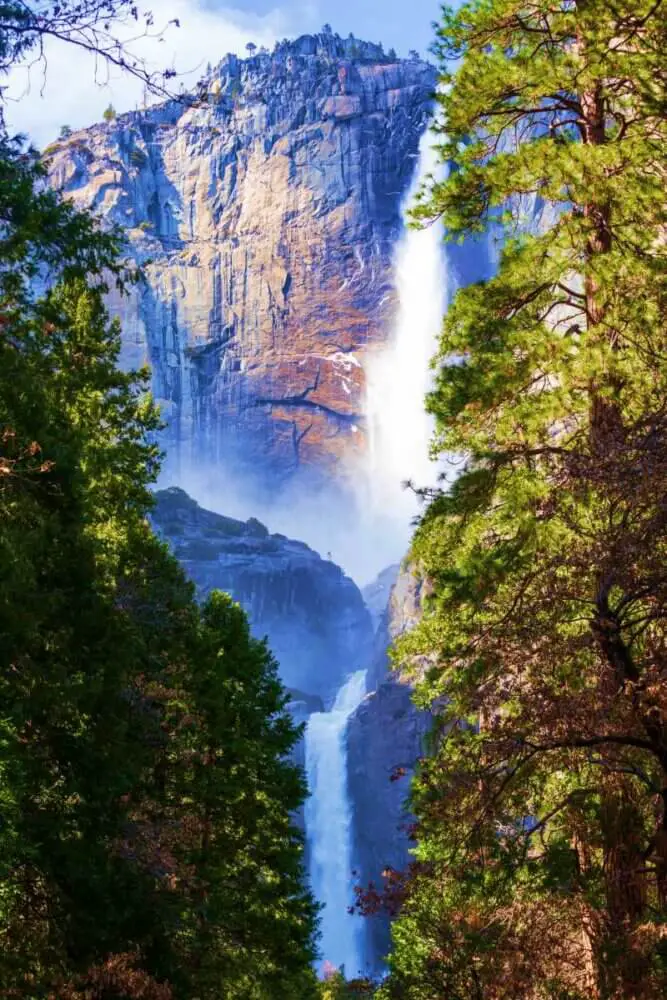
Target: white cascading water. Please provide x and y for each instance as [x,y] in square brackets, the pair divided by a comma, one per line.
[399,377]
[328,818]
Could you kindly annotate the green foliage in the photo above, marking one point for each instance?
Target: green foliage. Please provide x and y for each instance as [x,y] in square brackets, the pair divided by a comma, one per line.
[336,987]
[146,847]
[65,132]
[541,862]
[138,158]
[76,464]
[109,114]
[253,923]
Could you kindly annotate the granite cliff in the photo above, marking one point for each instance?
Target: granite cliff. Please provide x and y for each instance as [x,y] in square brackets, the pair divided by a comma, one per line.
[265,209]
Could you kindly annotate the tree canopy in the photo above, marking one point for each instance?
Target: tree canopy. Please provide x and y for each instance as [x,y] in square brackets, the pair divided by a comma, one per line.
[541,868]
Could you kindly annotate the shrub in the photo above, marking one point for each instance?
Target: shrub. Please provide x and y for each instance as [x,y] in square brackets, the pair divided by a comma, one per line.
[138,158]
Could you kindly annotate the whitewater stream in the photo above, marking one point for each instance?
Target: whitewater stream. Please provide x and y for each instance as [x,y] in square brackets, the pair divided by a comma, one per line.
[328,822]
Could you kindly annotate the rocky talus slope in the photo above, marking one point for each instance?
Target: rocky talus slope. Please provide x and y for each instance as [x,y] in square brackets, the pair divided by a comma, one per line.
[266,212]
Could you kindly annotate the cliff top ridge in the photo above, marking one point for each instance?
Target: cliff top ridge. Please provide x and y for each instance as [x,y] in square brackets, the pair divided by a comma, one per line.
[325,47]
[309,57]
[325,43]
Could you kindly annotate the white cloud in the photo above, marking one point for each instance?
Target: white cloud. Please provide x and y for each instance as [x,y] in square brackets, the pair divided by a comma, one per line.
[72,90]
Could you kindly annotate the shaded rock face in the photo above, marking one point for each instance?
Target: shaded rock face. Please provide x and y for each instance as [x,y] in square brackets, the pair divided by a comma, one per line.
[378,597]
[377,594]
[268,217]
[313,615]
[385,738]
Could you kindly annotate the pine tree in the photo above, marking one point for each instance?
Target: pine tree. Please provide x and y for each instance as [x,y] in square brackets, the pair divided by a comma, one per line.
[252,919]
[108,670]
[105,715]
[76,462]
[542,854]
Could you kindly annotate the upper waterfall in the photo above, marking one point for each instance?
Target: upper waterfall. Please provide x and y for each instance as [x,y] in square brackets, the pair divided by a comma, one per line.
[399,377]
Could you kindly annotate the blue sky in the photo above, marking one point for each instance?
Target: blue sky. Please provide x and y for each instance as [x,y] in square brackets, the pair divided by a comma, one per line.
[403,24]
[70,90]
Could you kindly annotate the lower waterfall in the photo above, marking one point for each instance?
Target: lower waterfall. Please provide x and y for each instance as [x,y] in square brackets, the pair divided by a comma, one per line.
[328,816]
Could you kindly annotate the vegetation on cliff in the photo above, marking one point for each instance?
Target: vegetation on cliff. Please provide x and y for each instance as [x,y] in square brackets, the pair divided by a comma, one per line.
[146,788]
[541,868]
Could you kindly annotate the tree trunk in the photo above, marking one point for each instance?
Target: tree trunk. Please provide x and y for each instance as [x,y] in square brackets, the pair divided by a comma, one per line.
[589,924]
[621,968]
[626,966]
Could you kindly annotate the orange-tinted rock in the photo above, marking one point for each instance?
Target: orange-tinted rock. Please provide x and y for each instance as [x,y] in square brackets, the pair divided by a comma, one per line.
[268,217]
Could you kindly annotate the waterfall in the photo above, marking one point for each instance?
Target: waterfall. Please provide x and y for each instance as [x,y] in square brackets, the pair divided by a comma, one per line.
[328,818]
[399,377]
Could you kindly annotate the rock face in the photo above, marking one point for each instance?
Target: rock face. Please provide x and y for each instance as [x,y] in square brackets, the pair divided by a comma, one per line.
[314,616]
[385,739]
[267,213]
[377,594]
